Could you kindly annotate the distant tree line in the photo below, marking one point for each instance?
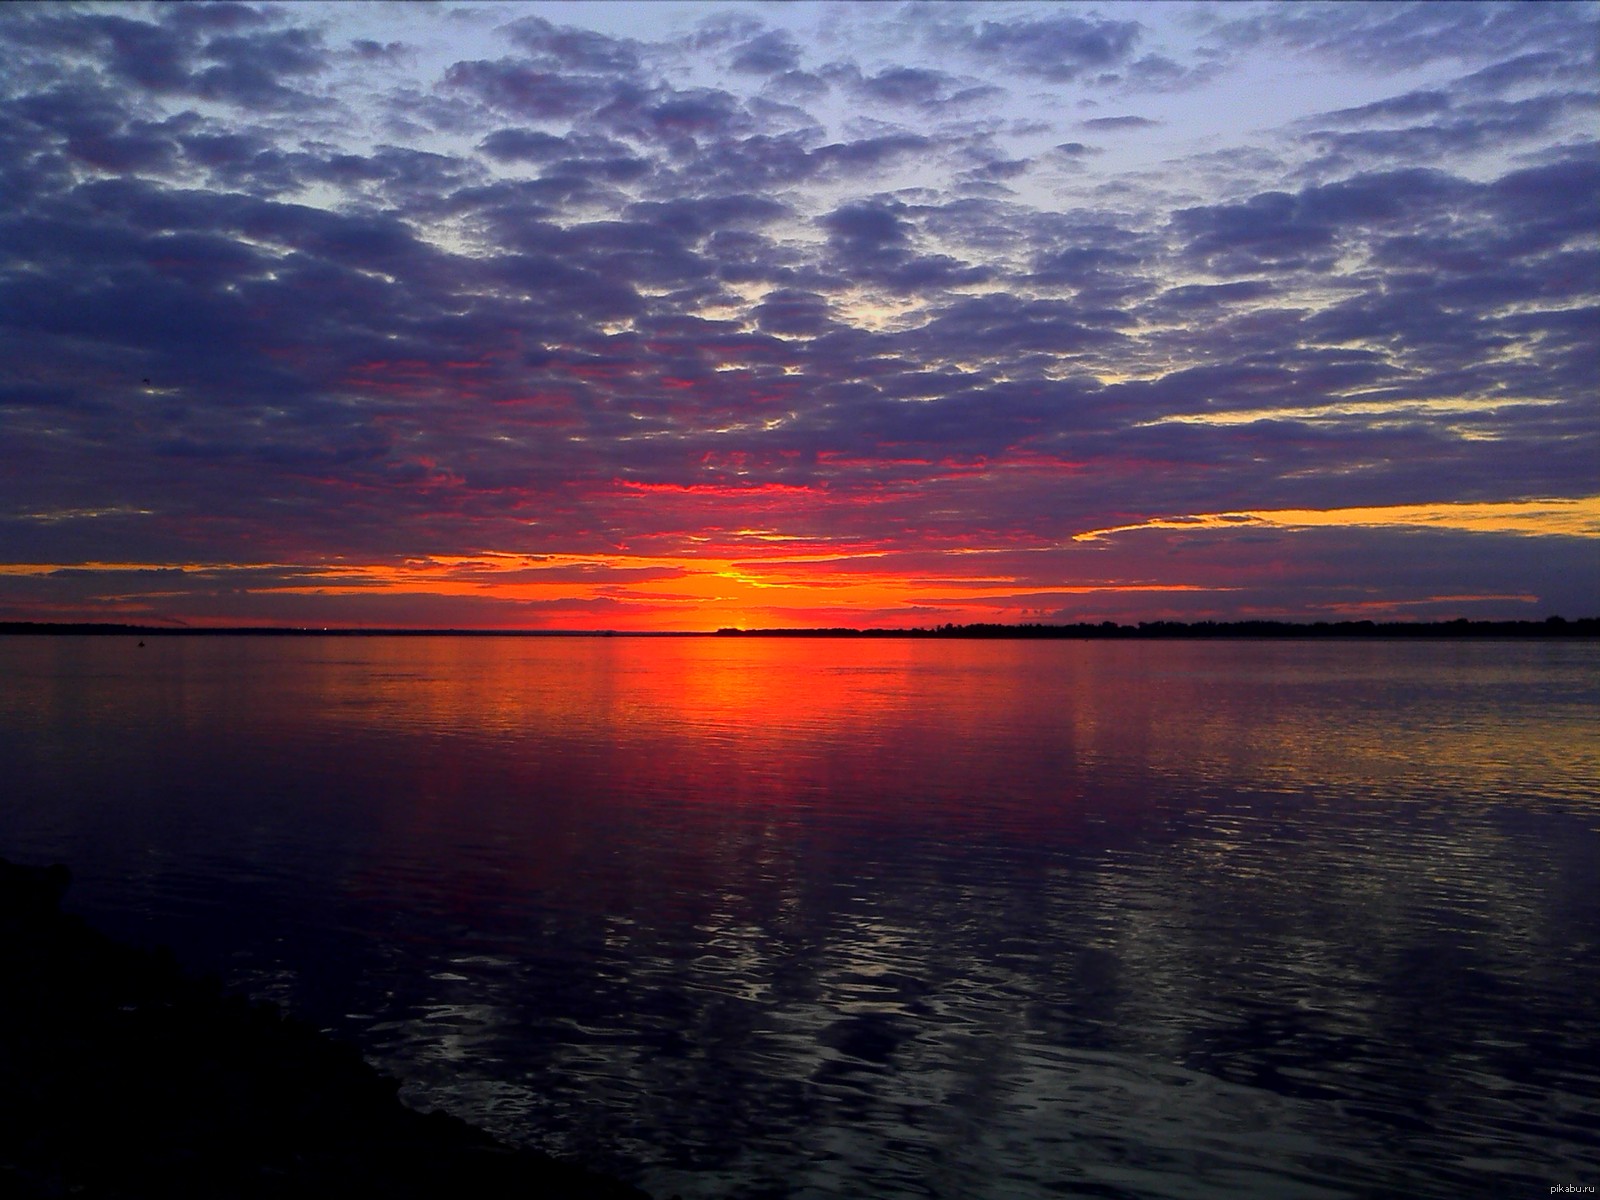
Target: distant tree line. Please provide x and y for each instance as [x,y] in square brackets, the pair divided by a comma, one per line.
[1550,627]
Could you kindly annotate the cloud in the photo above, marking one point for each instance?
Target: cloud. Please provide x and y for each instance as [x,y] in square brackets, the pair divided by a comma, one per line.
[566,48]
[1409,34]
[248,69]
[1059,46]
[1281,230]
[371,50]
[511,86]
[1408,105]
[770,53]
[1490,124]
[218,53]
[270,295]
[1114,123]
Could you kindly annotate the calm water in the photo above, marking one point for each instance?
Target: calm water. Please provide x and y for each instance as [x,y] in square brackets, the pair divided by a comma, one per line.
[760,918]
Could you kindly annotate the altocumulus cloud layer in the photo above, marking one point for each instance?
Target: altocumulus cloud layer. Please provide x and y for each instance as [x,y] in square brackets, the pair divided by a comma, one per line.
[691,315]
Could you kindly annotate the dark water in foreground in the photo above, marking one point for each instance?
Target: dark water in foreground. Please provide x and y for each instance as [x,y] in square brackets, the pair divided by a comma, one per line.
[763,918]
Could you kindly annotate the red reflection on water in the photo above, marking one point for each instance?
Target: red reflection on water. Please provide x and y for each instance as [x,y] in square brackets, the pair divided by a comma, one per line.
[705,757]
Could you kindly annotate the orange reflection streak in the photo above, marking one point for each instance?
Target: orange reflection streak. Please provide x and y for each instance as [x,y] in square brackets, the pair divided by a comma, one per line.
[769,721]
[714,721]
[729,690]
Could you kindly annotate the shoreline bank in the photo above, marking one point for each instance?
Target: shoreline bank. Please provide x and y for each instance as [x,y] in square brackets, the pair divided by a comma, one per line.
[127,1078]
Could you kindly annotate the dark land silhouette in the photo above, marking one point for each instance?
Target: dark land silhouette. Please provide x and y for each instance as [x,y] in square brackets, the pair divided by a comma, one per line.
[125,1078]
[1550,627]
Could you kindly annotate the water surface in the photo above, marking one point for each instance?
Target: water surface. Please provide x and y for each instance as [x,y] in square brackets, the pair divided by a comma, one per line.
[771,918]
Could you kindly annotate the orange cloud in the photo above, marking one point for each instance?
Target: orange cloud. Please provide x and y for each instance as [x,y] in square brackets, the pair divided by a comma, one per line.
[1578,517]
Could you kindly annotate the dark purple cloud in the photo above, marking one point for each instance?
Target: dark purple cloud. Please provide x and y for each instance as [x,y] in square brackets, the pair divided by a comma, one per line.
[1406,35]
[513,86]
[1056,46]
[221,53]
[577,50]
[1104,124]
[769,53]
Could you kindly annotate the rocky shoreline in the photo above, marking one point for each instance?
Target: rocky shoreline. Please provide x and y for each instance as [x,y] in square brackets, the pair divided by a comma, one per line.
[121,1077]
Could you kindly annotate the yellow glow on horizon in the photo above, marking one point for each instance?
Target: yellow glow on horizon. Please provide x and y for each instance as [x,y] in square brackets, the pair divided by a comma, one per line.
[1398,410]
[639,592]
[26,569]
[1579,517]
[755,576]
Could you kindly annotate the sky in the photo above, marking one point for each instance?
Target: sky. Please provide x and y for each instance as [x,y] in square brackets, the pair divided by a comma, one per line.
[676,316]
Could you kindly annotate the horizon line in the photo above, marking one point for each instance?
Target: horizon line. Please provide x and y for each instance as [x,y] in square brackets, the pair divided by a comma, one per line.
[1551,626]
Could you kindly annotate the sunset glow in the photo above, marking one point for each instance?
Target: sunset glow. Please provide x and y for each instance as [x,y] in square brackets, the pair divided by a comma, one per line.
[679,316]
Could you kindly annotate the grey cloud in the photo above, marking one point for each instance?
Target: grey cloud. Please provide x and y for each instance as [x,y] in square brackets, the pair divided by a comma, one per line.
[907,85]
[741,256]
[873,242]
[226,17]
[1409,105]
[1082,265]
[1158,73]
[705,111]
[764,161]
[870,153]
[726,26]
[1195,297]
[150,55]
[997,326]
[75,114]
[403,172]
[920,87]
[866,228]
[1113,123]
[1002,168]
[376,242]
[511,86]
[931,273]
[373,51]
[225,150]
[579,290]
[135,148]
[1541,68]
[27,395]
[566,48]
[755,163]
[1549,203]
[683,123]
[205,260]
[524,145]
[280,52]
[1060,46]
[1380,197]
[703,216]
[799,86]
[770,53]
[1272,229]
[1406,35]
[1489,123]
[214,52]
